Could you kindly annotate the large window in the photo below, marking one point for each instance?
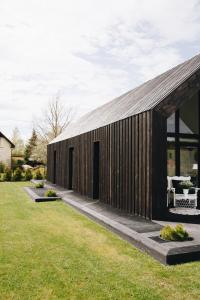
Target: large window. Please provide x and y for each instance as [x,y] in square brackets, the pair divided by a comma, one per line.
[183,137]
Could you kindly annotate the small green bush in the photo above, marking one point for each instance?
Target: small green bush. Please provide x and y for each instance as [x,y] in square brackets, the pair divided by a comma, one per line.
[177,233]
[7,176]
[38,175]
[2,167]
[50,193]
[17,176]
[28,175]
[39,185]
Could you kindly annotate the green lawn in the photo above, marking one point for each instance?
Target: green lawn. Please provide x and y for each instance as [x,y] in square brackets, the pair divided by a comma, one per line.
[49,251]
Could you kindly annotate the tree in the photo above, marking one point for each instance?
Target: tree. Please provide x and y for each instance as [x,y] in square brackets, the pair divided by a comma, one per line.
[18,142]
[39,152]
[55,119]
[29,149]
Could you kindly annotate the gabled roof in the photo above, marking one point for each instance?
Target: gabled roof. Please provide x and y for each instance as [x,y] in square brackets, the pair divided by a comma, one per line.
[143,98]
[3,136]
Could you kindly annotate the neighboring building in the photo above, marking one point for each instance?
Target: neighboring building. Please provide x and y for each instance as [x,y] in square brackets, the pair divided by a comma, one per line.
[5,150]
[122,151]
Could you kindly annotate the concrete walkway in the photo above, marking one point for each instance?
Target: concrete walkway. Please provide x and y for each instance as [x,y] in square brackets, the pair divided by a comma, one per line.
[142,233]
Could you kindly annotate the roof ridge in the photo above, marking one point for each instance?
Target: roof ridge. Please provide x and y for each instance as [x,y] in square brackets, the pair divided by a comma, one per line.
[142,98]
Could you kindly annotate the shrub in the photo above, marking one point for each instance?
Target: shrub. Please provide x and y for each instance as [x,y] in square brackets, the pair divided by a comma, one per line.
[17,176]
[177,233]
[181,234]
[2,167]
[38,175]
[7,176]
[186,184]
[50,193]
[17,164]
[28,175]
[39,185]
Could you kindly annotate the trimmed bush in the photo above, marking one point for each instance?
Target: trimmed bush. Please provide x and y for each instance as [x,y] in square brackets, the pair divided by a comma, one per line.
[177,233]
[38,175]
[17,176]
[39,185]
[28,175]
[7,176]
[50,193]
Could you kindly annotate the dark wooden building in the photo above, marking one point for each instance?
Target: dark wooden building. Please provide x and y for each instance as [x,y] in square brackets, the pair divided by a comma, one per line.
[121,152]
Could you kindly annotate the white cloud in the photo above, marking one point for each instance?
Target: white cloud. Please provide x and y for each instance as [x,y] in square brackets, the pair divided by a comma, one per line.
[91,51]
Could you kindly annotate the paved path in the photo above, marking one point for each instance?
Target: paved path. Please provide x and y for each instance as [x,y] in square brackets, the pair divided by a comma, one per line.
[142,233]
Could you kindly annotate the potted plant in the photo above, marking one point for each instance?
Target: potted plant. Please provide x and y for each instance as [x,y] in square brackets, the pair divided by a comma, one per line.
[186,185]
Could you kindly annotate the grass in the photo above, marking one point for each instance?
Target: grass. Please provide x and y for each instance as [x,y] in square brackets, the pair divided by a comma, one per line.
[50,251]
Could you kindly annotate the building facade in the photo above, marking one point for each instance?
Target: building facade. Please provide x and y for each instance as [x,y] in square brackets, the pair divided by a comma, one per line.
[122,152]
[5,150]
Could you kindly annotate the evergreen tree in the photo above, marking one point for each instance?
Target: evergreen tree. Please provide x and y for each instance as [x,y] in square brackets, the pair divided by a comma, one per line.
[27,153]
[32,143]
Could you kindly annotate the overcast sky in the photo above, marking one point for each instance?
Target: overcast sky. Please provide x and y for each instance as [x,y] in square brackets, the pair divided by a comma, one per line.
[89,51]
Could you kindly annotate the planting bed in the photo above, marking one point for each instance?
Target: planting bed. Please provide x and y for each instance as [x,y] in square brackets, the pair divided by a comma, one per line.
[37,194]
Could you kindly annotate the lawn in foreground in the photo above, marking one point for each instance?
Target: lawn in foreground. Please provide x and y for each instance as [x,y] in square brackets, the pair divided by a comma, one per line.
[50,251]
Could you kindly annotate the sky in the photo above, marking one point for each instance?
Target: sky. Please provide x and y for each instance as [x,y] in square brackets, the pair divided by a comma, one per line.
[88,52]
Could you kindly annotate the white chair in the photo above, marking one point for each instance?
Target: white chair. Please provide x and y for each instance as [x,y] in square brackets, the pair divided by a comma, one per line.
[170,189]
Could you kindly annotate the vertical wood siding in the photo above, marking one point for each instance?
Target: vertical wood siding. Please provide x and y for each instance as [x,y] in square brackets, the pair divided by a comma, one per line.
[159,165]
[126,161]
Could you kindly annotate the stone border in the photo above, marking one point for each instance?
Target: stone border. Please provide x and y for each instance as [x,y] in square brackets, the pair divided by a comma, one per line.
[37,198]
[145,243]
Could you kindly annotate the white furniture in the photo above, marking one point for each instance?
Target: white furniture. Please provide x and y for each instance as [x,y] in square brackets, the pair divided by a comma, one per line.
[189,200]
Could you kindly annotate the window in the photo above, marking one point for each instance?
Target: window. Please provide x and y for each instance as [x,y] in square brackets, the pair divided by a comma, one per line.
[183,139]
[188,161]
[171,123]
[171,161]
[188,116]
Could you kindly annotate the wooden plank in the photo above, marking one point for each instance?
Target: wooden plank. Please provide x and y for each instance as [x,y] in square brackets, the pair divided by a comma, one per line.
[127,166]
[148,171]
[133,165]
[144,163]
[136,165]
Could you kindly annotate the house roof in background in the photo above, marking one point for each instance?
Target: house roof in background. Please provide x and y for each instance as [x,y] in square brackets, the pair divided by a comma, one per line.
[3,136]
[143,98]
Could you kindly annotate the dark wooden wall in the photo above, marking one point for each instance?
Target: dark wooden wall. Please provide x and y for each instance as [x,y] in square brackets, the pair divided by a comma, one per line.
[159,165]
[129,162]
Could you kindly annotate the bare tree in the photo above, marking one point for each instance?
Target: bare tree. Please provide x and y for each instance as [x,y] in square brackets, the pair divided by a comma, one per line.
[18,142]
[55,119]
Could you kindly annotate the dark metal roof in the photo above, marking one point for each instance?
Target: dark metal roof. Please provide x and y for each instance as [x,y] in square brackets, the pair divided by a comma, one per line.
[145,97]
[3,136]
